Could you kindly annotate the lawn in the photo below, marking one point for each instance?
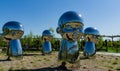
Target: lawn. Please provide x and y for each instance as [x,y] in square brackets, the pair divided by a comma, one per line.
[35,61]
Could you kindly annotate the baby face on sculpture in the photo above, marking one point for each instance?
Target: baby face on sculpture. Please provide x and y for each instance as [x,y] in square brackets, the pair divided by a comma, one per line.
[91,34]
[12,30]
[47,35]
[70,26]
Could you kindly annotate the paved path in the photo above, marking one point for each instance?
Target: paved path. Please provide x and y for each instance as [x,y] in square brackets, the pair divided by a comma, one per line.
[108,53]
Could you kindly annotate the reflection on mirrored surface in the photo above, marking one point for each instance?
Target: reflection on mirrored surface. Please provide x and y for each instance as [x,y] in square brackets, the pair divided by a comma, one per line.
[91,36]
[47,37]
[16,48]
[12,32]
[92,33]
[70,27]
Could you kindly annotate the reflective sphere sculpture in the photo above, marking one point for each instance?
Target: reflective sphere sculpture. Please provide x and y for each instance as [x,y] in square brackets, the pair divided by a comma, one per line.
[92,37]
[47,36]
[12,32]
[92,33]
[70,26]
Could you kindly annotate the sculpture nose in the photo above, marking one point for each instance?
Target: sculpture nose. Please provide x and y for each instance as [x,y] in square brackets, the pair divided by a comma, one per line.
[75,34]
[75,29]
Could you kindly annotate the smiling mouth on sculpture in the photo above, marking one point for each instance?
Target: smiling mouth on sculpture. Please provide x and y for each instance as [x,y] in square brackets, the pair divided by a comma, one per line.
[73,36]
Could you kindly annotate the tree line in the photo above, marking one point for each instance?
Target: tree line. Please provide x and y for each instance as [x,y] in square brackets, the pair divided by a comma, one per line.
[34,42]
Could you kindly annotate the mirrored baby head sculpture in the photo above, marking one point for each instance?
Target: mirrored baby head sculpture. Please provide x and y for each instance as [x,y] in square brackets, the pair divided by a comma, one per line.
[47,36]
[70,27]
[12,32]
[91,36]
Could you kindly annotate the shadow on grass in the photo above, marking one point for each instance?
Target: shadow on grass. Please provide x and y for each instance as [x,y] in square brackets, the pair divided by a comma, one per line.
[2,60]
[83,58]
[62,67]
[7,59]
[31,54]
[42,69]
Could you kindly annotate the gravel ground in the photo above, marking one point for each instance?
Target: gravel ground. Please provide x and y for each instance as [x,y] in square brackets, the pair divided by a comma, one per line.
[35,61]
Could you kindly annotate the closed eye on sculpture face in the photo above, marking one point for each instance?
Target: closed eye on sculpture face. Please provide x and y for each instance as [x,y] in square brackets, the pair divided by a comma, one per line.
[68,26]
[72,25]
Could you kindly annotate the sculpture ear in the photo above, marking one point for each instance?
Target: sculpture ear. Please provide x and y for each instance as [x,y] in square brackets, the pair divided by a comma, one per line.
[6,31]
[58,30]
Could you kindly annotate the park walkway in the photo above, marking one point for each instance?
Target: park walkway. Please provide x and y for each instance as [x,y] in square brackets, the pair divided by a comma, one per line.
[108,53]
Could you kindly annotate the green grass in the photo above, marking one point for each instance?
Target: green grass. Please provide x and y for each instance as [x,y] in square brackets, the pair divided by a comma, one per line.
[1,69]
[111,49]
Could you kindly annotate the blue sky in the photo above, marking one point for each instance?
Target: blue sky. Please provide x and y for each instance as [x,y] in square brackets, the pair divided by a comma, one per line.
[39,15]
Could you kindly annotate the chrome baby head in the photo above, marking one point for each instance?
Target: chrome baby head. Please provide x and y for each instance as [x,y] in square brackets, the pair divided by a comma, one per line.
[70,26]
[12,30]
[91,34]
[47,35]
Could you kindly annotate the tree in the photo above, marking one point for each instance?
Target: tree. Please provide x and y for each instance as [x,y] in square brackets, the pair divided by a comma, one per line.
[100,45]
